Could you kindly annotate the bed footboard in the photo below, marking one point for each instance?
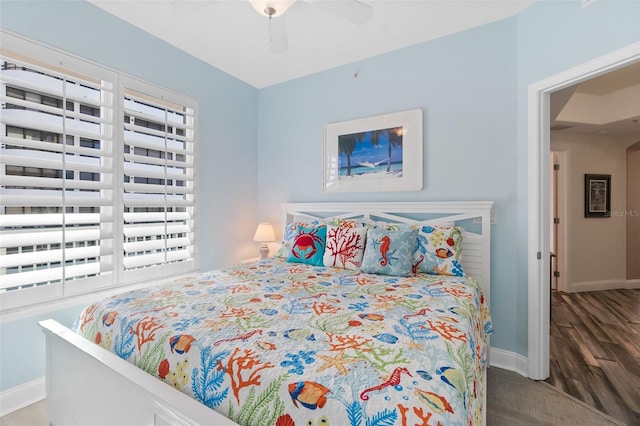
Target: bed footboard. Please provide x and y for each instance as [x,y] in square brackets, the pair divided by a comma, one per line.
[88,385]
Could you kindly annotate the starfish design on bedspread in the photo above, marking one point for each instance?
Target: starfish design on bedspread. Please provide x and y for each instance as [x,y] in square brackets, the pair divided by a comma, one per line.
[338,362]
[412,344]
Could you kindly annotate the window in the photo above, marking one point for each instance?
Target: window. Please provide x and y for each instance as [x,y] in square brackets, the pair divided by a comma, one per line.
[97,179]
[158,183]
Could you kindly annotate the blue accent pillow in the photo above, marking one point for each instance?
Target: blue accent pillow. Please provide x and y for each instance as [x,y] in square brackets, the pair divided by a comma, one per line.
[307,245]
[389,252]
[438,250]
[288,234]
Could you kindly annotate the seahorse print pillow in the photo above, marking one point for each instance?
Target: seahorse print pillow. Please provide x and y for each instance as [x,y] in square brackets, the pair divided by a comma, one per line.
[439,250]
[345,247]
[389,252]
[307,245]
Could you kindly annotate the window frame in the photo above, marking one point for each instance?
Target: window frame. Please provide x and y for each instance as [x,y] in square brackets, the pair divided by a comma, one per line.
[49,297]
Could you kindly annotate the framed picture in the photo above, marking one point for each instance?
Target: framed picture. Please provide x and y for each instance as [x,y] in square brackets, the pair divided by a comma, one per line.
[597,195]
[380,153]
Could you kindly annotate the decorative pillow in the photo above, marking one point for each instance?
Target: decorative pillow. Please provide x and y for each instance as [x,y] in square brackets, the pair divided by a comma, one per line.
[389,252]
[289,233]
[390,226]
[439,250]
[305,218]
[308,245]
[347,223]
[345,246]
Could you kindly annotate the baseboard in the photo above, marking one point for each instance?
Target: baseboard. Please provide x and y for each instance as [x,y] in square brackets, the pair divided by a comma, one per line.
[19,397]
[602,285]
[633,284]
[508,361]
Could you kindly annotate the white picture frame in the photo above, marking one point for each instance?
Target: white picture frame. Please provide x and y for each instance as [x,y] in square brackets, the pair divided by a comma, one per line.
[374,154]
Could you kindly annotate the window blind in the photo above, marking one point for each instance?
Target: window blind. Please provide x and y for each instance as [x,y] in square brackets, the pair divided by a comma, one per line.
[97,183]
[57,177]
[158,184]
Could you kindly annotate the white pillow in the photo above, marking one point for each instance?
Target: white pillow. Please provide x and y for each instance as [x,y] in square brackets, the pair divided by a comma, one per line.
[344,247]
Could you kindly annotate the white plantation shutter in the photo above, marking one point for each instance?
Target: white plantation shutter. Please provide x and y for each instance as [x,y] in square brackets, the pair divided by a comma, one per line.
[96,178]
[158,199]
[57,179]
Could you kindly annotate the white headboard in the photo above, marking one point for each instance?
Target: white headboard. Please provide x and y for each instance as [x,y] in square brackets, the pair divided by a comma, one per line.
[474,216]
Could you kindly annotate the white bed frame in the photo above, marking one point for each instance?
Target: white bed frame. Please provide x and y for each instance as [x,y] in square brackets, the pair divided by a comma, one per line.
[87,384]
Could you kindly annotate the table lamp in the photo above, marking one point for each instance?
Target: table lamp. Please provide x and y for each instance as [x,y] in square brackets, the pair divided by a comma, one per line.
[263,235]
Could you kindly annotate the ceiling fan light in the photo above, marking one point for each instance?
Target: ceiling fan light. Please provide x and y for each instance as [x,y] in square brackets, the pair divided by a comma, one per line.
[279,6]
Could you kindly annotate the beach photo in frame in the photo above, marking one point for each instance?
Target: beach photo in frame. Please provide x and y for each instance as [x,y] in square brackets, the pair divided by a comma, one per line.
[379,153]
[597,195]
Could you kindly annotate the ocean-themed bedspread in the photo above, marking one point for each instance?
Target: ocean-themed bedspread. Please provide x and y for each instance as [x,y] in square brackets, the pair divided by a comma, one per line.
[277,343]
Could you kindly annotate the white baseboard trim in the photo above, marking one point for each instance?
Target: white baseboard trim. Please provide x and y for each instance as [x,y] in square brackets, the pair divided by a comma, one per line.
[20,396]
[508,361]
[602,285]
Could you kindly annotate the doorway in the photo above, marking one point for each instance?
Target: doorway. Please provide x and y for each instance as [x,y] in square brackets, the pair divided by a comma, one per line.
[539,202]
[592,338]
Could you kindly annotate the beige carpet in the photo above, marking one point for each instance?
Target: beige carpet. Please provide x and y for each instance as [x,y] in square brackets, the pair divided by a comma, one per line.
[513,400]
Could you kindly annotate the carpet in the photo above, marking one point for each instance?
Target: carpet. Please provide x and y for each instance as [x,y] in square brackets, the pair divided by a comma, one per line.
[515,400]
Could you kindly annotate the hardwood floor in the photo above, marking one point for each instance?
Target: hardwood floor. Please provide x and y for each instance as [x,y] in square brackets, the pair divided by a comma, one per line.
[595,350]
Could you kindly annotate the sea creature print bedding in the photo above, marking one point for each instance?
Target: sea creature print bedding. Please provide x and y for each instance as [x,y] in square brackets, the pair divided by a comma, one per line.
[280,343]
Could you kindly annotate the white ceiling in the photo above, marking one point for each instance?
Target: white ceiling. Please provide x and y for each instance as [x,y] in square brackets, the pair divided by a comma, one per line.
[608,104]
[232,36]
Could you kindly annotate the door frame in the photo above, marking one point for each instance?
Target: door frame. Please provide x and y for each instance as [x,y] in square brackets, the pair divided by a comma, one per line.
[562,231]
[538,197]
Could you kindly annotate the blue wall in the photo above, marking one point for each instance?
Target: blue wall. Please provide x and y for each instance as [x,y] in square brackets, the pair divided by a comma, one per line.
[471,87]
[22,346]
[228,136]
[465,85]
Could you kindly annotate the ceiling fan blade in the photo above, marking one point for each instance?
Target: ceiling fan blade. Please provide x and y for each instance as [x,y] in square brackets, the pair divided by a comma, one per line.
[278,40]
[352,10]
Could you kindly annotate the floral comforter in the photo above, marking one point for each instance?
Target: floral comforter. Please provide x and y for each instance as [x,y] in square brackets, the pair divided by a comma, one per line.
[277,343]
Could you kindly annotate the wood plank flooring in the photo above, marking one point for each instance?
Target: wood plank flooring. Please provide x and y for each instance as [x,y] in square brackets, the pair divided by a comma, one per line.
[595,350]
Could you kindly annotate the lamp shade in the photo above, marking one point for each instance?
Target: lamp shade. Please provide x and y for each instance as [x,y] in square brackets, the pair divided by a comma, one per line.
[264,233]
[278,6]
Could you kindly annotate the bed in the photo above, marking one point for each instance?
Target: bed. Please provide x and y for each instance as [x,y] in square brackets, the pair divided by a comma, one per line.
[288,341]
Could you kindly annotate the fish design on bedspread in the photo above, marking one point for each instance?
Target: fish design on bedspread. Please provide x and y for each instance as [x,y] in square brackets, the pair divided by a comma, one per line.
[181,343]
[277,343]
[309,394]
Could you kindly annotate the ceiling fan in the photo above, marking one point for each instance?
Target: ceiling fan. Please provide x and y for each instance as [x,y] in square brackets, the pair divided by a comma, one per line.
[354,11]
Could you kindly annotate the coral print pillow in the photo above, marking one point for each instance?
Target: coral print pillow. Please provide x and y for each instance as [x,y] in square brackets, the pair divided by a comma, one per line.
[307,245]
[345,247]
[439,250]
[389,252]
